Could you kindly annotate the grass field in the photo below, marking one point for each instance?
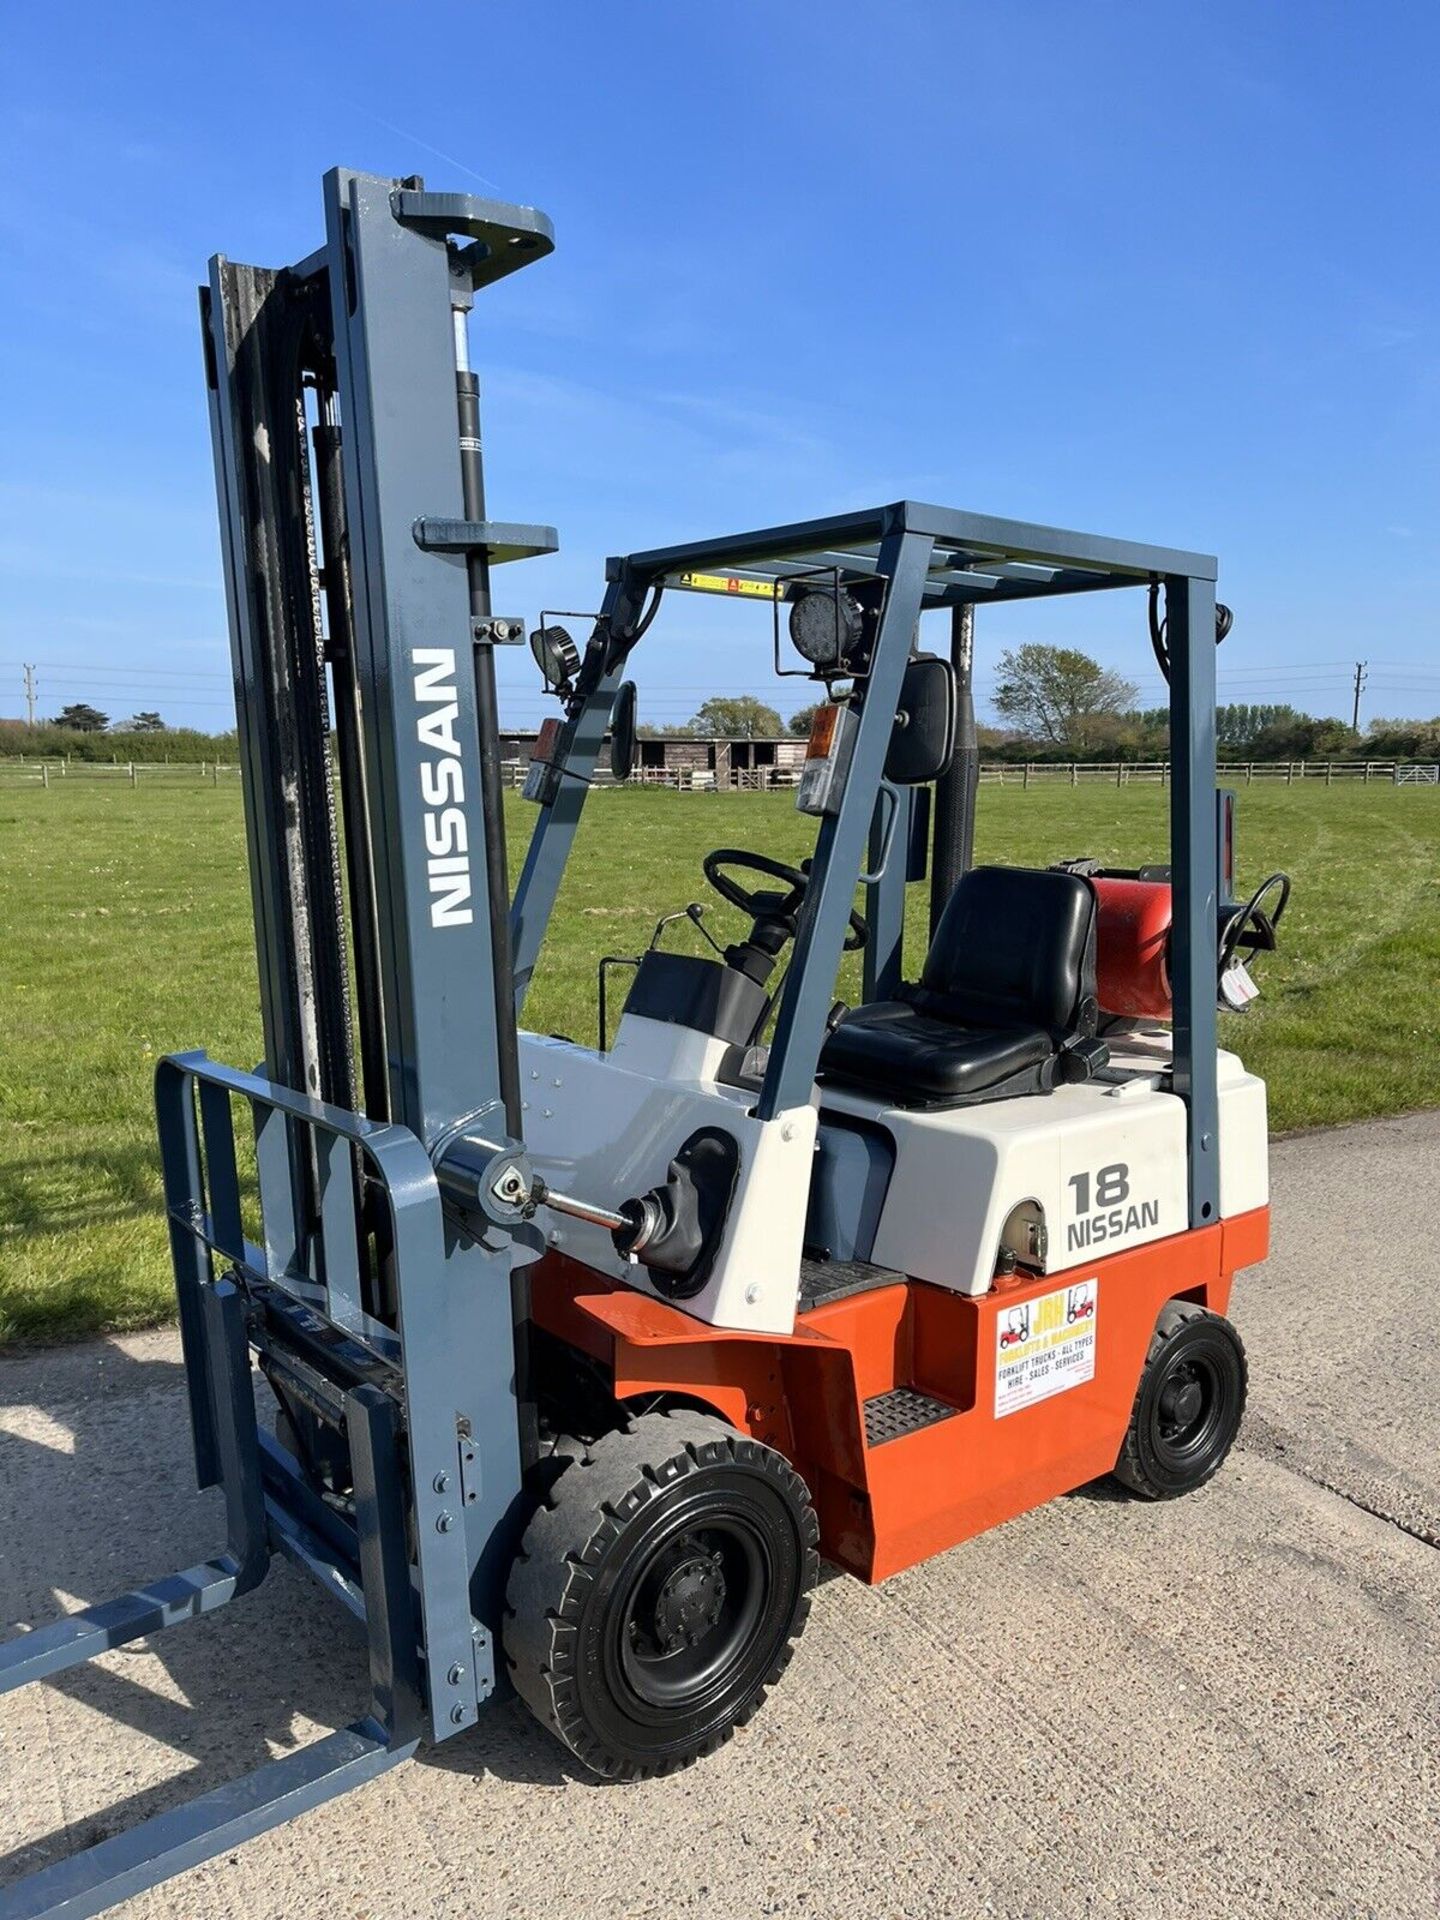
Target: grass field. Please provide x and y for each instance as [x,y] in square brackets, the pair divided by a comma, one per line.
[125,934]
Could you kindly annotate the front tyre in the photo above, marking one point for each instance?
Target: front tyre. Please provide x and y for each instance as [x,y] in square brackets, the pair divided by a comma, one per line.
[659,1591]
[1188,1405]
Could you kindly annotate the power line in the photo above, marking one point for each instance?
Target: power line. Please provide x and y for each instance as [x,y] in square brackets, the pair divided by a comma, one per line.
[1289,666]
[130,673]
[119,689]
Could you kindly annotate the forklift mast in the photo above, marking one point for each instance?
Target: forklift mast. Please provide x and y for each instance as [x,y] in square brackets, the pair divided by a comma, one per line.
[346,429]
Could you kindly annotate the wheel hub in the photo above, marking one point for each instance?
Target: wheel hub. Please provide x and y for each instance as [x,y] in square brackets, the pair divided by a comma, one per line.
[690,1600]
[1181,1403]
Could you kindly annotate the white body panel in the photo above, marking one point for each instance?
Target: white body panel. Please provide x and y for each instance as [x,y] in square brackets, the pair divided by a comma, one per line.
[1104,1164]
[1244,1140]
[606,1126]
[958,1174]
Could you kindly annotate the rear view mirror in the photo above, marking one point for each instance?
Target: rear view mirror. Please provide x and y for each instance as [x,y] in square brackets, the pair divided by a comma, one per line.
[923,743]
[622,731]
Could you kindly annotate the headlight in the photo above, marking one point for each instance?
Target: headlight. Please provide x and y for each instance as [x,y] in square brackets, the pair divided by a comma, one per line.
[556,655]
[825,625]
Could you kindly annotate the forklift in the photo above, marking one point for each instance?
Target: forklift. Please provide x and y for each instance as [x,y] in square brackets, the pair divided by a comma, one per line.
[583,1356]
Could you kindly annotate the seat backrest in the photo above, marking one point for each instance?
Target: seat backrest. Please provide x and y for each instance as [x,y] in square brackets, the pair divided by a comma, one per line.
[1015,947]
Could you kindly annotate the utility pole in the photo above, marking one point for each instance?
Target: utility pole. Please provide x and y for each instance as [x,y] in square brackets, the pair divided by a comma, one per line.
[30,698]
[1360,669]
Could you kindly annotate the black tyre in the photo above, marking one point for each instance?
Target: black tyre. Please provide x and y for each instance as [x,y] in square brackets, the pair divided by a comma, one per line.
[1188,1405]
[659,1591]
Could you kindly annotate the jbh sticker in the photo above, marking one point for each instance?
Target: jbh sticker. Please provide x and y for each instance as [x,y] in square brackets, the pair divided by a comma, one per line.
[1045,1346]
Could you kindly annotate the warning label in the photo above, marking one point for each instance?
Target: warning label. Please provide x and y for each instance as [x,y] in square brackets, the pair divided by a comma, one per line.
[728,583]
[1045,1346]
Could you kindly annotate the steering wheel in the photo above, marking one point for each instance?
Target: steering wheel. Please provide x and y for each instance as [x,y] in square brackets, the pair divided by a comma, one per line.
[761,904]
[1254,921]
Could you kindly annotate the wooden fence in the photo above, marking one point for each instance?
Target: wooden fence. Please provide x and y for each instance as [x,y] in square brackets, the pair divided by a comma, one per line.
[22,768]
[1232,773]
[1043,773]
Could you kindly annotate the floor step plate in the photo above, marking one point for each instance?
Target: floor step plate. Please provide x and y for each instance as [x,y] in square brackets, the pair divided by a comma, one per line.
[889,1415]
[822,1281]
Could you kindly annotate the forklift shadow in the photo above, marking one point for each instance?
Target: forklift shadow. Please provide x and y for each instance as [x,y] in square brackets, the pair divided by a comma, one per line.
[507,1744]
[281,1678]
[99,1495]
[1104,1491]
[80,1381]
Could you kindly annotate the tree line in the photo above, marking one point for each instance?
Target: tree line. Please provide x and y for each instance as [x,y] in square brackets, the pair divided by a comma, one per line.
[1062,705]
[1056,703]
[54,740]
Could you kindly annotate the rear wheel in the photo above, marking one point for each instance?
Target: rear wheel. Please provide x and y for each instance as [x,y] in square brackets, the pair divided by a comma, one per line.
[659,1592]
[1188,1405]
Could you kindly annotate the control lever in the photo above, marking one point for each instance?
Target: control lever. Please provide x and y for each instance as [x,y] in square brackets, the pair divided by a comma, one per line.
[573,1209]
[695,913]
[632,1228]
[665,1212]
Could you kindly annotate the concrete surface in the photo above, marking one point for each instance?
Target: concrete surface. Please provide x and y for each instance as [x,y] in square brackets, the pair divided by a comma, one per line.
[1228,1706]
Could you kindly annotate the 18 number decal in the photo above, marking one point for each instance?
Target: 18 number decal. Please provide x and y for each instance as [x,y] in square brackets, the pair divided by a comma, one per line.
[1112,1186]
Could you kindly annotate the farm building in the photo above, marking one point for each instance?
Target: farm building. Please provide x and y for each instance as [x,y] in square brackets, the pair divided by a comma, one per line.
[695,761]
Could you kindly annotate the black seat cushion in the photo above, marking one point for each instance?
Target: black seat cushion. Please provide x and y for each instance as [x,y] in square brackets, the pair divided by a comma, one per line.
[1008,980]
[892,1046]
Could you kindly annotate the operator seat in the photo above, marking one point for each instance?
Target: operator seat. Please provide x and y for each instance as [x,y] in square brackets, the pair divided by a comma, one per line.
[1005,1005]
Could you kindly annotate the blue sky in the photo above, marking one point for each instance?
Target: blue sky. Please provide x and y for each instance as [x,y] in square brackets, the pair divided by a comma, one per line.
[1156,270]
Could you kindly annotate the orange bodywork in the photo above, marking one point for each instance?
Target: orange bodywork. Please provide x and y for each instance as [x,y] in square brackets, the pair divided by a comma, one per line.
[884,1507]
